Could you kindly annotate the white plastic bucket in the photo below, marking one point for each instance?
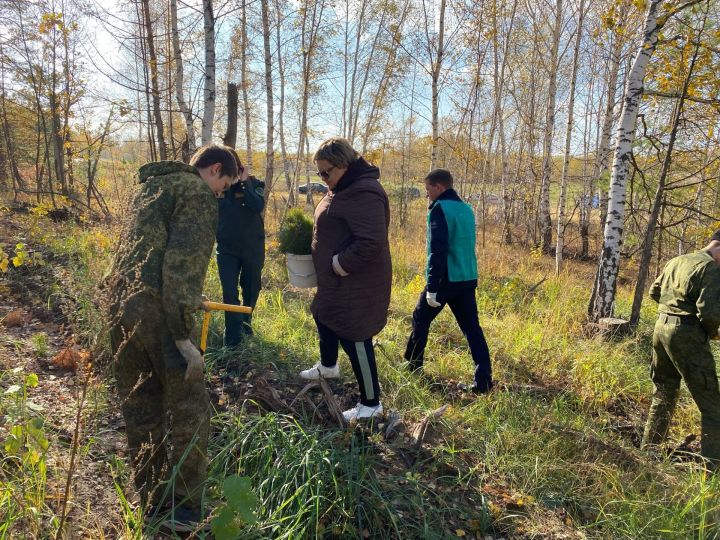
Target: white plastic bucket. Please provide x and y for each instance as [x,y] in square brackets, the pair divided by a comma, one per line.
[301,271]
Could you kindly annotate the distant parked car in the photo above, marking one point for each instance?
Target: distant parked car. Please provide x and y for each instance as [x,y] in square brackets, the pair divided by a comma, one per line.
[315,187]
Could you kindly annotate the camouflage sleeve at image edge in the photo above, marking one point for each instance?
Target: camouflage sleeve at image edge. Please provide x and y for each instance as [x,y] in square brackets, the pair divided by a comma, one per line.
[708,302]
[191,237]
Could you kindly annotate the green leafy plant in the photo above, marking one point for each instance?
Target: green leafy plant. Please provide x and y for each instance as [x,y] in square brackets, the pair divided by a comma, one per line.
[238,510]
[40,344]
[25,449]
[295,235]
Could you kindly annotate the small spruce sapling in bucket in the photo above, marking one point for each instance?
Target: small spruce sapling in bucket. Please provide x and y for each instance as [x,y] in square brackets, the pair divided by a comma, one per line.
[295,237]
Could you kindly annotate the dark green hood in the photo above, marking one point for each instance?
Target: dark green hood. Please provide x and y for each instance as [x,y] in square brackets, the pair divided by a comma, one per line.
[160,168]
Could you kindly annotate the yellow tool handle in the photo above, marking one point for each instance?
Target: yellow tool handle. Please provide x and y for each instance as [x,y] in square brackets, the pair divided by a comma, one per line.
[216,306]
[203,335]
[207,304]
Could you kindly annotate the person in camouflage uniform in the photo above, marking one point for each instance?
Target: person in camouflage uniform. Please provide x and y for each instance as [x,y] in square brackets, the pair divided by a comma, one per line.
[156,286]
[688,293]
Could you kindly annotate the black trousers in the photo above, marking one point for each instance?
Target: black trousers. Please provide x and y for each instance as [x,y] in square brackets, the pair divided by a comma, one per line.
[464,306]
[362,359]
[245,270]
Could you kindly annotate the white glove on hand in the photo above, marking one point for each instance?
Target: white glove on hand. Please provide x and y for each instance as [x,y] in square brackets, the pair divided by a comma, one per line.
[195,363]
[431,299]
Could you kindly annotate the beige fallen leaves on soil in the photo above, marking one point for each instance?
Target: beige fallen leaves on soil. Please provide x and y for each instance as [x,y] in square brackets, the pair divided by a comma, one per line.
[70,358]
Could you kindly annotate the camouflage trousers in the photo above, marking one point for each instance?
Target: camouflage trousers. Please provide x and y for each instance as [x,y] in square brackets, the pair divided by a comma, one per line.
[681,350]
[167,418]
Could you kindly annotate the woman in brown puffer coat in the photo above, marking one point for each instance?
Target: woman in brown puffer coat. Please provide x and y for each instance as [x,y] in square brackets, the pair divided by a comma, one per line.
[352,259]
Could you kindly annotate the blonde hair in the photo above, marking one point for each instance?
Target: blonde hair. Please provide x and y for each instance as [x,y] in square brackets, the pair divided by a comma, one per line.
[336,151]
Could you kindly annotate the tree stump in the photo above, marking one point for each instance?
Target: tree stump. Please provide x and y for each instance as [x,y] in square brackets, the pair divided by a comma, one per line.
[609,327]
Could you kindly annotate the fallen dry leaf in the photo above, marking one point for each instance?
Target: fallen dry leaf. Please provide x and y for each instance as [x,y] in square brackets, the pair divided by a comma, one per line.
[15,318]
[70,358]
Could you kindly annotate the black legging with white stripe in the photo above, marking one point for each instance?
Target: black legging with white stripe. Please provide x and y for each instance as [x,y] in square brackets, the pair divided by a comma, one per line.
[362,359]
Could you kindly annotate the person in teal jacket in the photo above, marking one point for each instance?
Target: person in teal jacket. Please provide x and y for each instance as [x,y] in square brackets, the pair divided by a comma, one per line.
[451,275]
[241,250]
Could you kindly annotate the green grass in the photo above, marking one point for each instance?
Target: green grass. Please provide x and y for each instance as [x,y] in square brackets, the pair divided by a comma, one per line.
[560,436]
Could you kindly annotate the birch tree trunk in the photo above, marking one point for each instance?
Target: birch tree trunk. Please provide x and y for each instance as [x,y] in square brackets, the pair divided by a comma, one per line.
[57,131]
[568,138]
[544,216]
[602,299]
[245,84]
[602,154]
[270,121]
[311,18]
[281,112]
[436,70]
[209,87]
[180,83]
[644,266]
[154,85]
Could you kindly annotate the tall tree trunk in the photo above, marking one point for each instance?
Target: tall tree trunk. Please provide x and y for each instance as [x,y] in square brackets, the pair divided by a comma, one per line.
[644,266]
[281,113]
[9,147]
[602,298]
[270,121]
[245,84]
[310,26]
[209,87]
[436,70]
[568,137]
[58,137]
[180,83]
[544,217]
[153,62]
[602,154]
[230,137]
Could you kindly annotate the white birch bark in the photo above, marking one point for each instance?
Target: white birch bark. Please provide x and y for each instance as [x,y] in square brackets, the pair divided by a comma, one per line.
[604,288]
[269,137]
[281,111]
[544,215]
[245,84]
[209,87]
[437,67]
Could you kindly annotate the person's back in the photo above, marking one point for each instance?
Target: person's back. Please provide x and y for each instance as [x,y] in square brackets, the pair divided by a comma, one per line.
[169,240]
[461,263]
[688,294]
[156,284]
[689,286]
[451,276]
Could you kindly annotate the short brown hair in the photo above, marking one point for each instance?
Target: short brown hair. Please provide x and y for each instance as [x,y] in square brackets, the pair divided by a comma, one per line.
[214,153]
[336,151]
[440,176]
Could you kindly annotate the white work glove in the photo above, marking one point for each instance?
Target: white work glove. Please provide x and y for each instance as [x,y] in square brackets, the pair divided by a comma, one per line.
[195,363]
[431,299]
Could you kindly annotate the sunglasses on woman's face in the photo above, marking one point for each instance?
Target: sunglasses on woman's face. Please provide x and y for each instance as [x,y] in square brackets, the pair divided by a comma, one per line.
[326,173]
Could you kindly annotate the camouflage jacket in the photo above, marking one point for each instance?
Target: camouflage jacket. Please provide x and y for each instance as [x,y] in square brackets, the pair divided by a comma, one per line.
[166,250]
[690,285]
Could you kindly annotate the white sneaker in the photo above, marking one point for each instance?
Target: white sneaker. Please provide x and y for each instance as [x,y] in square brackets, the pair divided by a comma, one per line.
[318,370]
[360,412]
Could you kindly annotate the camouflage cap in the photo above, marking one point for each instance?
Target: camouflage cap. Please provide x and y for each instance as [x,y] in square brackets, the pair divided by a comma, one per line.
[716,236]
